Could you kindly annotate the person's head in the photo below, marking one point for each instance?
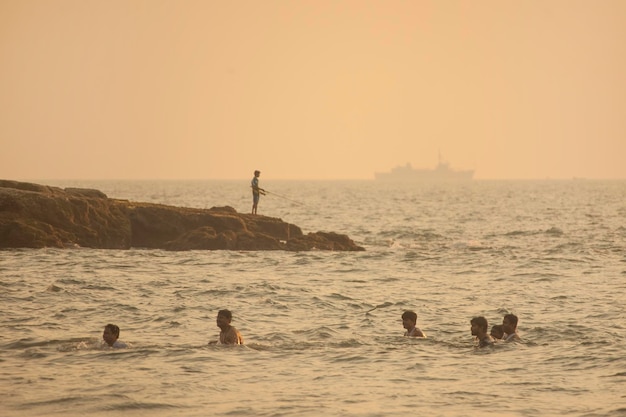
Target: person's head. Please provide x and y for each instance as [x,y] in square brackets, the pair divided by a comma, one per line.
[409,319]
[111,334]
[479,326]
[497,331]
[257,173]
[509,323]
[224,318]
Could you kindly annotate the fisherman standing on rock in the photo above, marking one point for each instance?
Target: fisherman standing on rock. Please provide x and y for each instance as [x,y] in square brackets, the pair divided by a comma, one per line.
[256,191]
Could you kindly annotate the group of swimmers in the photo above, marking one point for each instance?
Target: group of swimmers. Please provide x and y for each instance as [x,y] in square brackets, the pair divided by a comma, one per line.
[505,332]
[229,335]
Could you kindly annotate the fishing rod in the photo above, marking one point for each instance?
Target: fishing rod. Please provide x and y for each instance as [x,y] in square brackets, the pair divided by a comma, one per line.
[282,196]
[264,191]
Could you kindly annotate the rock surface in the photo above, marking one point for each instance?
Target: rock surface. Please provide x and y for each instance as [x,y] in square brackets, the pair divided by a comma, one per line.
[39,216]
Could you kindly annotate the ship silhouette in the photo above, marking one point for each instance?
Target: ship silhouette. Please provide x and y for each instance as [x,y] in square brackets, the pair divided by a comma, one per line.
[442,172]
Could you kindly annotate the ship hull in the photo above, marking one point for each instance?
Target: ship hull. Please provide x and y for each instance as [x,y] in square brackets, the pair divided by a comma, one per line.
[441,173]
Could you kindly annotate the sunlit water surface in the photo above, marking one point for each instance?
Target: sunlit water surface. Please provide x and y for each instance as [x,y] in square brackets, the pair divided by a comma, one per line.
[322,329]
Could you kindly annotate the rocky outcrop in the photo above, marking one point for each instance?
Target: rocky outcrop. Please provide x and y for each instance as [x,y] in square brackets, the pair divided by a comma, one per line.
[38,216]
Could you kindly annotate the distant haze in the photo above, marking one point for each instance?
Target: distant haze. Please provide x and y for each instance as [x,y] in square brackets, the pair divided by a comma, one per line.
[320,89]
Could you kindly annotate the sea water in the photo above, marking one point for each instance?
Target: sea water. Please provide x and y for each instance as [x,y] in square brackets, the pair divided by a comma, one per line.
[323,330]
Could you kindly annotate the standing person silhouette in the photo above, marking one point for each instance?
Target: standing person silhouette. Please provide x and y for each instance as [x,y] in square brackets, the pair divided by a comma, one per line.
[256,191]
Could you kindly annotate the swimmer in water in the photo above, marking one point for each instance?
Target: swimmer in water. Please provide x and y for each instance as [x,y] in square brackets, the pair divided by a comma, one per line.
[479,330]
[110,335]
[509,325]
[497,332]
[409,321]
[229,335]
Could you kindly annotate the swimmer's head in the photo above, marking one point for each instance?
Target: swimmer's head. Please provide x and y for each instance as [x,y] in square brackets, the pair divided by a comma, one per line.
[509,323]
[480,322]
[409,319]
[223,319]
[226,314]
[409,315]
[497,331]
[111,334]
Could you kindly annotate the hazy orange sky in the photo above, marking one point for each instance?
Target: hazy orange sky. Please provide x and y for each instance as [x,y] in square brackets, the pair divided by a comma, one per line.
[181,89]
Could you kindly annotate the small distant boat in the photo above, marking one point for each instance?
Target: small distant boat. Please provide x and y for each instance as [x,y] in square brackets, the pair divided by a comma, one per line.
[442,172]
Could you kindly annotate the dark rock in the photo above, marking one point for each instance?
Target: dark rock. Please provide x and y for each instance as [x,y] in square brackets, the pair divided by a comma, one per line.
[37,216]
[323,241]
[86,192]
